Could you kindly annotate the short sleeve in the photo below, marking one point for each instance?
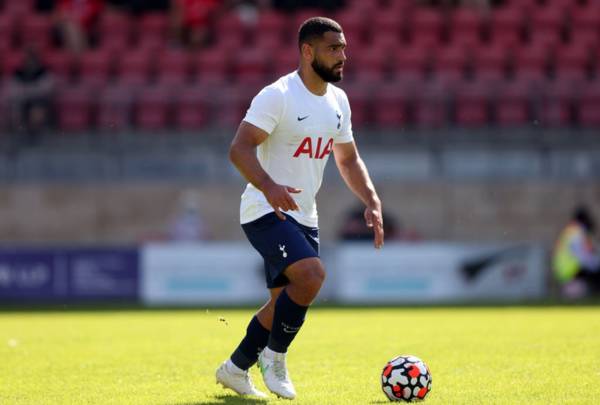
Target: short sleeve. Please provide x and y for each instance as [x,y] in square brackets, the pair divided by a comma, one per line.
[266,109]
[346,129]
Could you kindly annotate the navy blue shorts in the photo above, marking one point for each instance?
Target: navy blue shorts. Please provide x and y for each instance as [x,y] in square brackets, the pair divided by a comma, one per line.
[281,243]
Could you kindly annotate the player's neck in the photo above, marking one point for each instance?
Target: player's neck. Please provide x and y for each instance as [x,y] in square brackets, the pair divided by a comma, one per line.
[312,81]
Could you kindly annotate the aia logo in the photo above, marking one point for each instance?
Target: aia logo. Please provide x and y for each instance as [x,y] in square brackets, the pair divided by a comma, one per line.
[306,147]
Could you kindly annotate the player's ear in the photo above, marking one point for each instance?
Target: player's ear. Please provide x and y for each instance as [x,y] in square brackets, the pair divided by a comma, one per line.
[306,51]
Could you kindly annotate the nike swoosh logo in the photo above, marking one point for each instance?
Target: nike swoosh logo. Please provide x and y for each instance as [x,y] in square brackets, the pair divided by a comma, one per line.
[302,118]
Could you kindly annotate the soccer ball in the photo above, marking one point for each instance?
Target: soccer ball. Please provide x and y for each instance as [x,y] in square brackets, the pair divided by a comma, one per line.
[406,378]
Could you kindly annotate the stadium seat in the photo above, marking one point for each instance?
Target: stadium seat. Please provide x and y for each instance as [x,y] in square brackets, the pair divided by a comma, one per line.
[589,105]
[285,61]
[571,61]
[370,64]
[410,62]
[11,60]
[273,23]
[586,17]
[18,9]
[512,103]
[304,14]
[547,21]
[429,104]
[115,29]
[74,109]
[134,68]
[388,21]
[354,25]
[153,26]
[391,105]
[450,62]
[36,30]
[6,32]
[233,102]
[173,67]
[192,109]
[152,108]
[465,27]
[531,62]
[60,63]
[556,100]
[268,42]
[426,27]
[506,27]
[231,33]
[490,62]
[114,109]
[359,94]
[471,104]
[583,36]
[251,66]
[212,65]
[95,67]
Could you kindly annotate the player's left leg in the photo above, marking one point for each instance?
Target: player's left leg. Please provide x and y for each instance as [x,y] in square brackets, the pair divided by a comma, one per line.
[233,373]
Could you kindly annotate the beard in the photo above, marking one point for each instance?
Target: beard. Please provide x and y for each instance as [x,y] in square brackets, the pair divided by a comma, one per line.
[327,74]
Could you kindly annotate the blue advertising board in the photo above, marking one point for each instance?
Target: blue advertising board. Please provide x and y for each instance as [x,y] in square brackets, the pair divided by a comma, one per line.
[95,273]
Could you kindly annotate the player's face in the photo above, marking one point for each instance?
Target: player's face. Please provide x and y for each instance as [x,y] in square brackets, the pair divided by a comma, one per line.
[329,57]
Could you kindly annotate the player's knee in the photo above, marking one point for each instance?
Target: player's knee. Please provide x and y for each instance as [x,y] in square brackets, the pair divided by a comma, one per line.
[312,279]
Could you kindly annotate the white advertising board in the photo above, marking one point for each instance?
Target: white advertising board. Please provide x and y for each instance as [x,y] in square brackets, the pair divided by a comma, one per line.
[197,274]
[420,273]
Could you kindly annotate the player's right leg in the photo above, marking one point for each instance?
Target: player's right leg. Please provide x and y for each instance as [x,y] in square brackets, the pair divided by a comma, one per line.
[233,373]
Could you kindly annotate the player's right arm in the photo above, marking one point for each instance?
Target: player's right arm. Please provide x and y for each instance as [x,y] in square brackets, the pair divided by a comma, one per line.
[242,154]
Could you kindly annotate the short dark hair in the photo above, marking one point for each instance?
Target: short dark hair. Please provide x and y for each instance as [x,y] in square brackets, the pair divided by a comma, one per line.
[315,27]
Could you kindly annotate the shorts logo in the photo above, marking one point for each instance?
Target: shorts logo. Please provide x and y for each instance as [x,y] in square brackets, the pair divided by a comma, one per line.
[283,252]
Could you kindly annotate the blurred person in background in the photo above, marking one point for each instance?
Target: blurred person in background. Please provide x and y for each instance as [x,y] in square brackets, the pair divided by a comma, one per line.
[30,94]
[192,20]
[576,260]
[75,20]
[188,225]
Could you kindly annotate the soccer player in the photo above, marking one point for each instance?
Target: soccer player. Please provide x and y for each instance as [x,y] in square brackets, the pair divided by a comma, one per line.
[281,148]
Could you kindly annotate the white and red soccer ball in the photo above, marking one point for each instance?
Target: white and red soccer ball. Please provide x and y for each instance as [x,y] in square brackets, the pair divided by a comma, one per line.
[406,378]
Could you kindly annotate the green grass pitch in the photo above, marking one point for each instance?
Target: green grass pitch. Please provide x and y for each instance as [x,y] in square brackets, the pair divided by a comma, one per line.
[492,355]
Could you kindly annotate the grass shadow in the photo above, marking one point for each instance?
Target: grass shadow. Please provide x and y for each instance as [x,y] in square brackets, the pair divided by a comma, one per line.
[226,400]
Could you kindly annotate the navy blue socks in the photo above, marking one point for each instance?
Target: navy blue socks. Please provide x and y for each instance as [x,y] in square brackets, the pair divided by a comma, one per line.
[287,320]
[253,343]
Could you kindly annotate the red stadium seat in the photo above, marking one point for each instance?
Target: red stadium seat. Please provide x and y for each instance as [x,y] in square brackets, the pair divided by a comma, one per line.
[153,25]
[556,103]
[429,104]
[60,63]
[547,21]
[466,27]
[512,104]
[95,67]
[273,23]
[251,65]
[268,42]
[174,67]
[359,95]
[589,105]
[354,25]
[426,27]
[11,61]
[212,66]
[391,105]
[506,27]
[531,62]
[152,108]
[586,17]
[6,32]
[192,109]
[388,21]
[37,31]
[231,33]
[491,62]
[410,62]
[233,102]
[471,103]
[115,28]
[114,109]
[304,14]
[583,36]
[74,109]
[134,68]
[450,62]
[368,65]
[285,61]
[571,61]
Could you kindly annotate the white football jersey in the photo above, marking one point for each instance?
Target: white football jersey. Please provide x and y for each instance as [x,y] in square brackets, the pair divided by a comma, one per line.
[302,129]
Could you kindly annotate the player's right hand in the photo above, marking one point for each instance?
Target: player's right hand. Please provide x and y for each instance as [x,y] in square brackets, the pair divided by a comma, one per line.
[280,199]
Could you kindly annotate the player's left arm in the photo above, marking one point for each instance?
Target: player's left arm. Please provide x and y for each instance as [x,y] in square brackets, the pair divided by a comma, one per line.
[355,174]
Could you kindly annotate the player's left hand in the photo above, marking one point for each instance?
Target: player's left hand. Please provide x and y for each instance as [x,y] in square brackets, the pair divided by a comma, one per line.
[374,219]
